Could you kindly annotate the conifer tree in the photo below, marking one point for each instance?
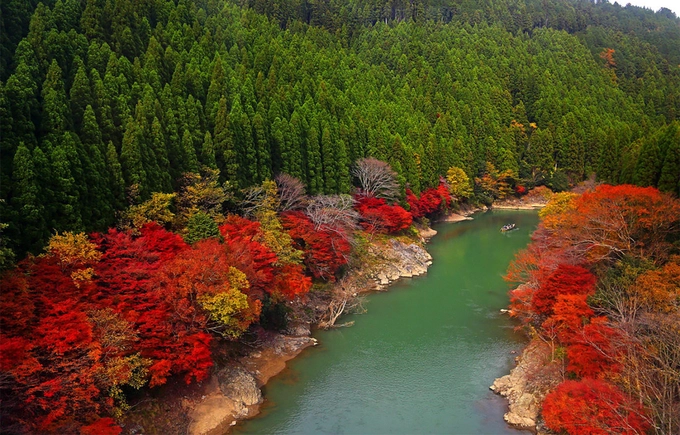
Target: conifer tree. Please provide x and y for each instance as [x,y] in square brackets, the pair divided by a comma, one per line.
[117,181]
[56,114]
[208,152]
[131,159]
[314,164]
[67,214]
[225,150]
[163,180]
[328,157]
[26,200]
[80,95]
[649,163]
[669,181]
[262,149]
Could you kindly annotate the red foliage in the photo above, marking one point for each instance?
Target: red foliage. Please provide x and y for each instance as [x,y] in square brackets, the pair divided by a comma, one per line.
[130,264]
[249,255]
[431,202]
[414,205]
[593,351]
[291,281]
[592,407]
[378,217]
[571,312]
[565,280]
[520,190]
[103,426]
[58,339]
[326,251]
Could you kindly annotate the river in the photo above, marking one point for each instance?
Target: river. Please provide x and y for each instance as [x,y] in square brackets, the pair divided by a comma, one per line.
[422,358]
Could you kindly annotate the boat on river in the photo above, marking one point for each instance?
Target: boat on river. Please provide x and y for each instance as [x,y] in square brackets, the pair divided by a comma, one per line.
[508,227]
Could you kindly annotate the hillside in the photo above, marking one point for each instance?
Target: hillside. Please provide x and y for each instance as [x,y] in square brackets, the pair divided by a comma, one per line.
[103,103]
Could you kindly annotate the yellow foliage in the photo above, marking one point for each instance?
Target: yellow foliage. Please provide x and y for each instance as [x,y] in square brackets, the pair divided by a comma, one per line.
[73,249]
[230,308]
[273,235]
[237,279]
[558,204]
[132,370]
[224,308]
[156,209]
[201,194]
[459,183]
[80,276]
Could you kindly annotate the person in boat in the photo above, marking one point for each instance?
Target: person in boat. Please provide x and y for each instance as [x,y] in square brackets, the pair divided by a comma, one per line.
[508,227]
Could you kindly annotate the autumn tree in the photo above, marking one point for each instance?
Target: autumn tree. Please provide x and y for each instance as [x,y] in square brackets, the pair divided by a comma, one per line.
[459,183]
[376,179]
[591,406]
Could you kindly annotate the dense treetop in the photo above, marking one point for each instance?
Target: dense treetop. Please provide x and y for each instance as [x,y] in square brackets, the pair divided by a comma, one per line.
[103,103]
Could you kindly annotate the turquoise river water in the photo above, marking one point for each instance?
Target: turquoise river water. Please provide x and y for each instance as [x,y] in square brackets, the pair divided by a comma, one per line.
[422,358]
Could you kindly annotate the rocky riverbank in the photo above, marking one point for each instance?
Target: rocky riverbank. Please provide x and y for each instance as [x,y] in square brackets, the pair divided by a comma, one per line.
[527,385]
[232,393]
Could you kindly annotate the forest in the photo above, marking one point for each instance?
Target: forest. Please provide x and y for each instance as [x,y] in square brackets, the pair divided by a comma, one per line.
[142,140]
[103,103]
[600,283]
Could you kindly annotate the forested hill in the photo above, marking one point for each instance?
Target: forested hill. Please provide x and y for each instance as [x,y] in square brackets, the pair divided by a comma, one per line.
[104,102]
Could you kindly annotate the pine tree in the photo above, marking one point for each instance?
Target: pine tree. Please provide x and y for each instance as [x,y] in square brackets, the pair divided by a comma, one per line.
[160,152]
[101,202]
[208,152]
[225,152]
[609,156]
[29,211]
[80,95]
[262,149]
[131,159]
[314,164]
[669,181]
[328,156]
[216,91]
[56,114]
[67,216]
[117,181]
[191,162]
[648,167]
[242,137]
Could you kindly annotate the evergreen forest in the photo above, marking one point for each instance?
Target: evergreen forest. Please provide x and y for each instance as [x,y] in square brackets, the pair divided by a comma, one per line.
[103,103]
[181,178]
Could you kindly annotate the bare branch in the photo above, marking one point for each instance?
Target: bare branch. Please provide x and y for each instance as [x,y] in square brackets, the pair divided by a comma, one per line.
[253,200]
[376,179]
[333,213]
[291,193]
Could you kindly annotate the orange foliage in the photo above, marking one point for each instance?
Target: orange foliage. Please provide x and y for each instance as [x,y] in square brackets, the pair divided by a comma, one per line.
[659,290]
[612,221]
[608,55]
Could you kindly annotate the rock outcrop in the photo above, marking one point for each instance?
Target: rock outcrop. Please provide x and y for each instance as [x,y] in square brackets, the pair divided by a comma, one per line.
[401,260]
[527,384]
[234,391]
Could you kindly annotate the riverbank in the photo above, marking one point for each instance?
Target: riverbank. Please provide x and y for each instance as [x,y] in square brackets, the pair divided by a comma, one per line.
[235,391]
[232,392]
[535,374]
